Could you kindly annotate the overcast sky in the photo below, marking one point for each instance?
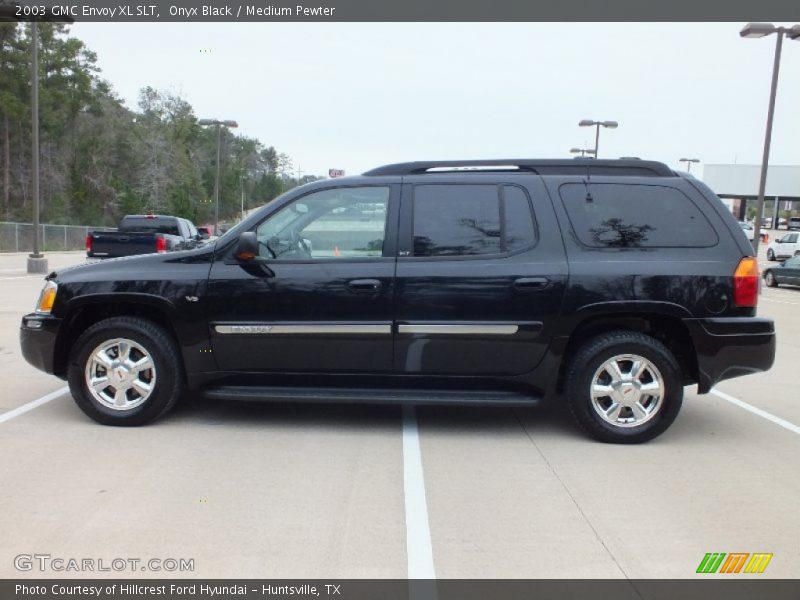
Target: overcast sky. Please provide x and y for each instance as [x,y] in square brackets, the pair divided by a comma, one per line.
[354,96]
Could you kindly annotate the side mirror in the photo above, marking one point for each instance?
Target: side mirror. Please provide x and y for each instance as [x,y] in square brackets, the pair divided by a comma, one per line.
[247,249]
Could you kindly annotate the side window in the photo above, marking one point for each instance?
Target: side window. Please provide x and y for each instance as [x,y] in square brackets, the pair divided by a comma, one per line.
[520,228]
[607,215]
[471,219]
[327,225]
[791,238]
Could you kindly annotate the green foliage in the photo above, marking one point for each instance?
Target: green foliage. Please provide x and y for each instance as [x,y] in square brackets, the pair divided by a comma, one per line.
[100,160]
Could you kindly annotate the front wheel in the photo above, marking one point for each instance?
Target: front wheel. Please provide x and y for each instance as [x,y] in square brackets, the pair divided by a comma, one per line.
[770,280]
[624,387]
[770,254]
[125,371]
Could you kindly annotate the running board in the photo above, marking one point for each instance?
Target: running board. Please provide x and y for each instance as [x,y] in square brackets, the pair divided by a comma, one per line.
[370,395]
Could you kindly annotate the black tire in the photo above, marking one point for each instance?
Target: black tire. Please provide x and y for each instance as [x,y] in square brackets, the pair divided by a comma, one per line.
[166,376]
[770,254]
[589,359]
[770,280]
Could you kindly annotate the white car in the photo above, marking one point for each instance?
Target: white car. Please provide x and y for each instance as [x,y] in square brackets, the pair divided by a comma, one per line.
[750,232]
[784,247]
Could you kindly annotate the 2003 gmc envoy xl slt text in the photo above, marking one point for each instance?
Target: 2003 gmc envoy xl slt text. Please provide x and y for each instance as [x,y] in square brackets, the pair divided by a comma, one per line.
[609,283]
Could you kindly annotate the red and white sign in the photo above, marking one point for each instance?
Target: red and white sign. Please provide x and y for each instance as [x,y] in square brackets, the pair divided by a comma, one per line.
[335,173]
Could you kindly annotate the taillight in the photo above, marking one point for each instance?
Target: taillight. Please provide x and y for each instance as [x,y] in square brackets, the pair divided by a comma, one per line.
[88,242]
[745,282]
[161,244]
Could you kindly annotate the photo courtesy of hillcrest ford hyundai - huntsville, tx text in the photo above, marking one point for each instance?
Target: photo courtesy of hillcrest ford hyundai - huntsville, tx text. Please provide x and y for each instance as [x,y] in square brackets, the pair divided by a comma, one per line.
[606,284]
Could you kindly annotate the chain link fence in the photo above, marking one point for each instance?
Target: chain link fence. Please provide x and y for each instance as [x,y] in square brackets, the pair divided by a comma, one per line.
[18,237]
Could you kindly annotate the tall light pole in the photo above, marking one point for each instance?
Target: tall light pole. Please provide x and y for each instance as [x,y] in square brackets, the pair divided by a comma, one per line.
[582,151]
[37,263]
[241,181]
[689,162]
[598,124]
[759,30]
[219,124]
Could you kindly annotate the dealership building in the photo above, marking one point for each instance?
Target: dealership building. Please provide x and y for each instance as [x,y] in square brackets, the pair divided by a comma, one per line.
[737,185]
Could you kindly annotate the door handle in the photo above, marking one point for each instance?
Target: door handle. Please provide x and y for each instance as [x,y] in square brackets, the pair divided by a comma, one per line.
[364,285]
[531,283]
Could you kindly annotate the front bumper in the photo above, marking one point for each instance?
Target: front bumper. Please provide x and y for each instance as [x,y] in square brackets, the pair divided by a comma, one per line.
[730,347]
[37,337]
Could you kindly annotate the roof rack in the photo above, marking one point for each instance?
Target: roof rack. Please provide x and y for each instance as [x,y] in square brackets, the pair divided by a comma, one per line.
[572,166]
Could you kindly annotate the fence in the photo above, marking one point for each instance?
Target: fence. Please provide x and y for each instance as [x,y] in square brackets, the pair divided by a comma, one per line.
[18,237]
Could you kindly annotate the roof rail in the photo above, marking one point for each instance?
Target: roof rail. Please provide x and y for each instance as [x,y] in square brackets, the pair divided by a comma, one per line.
[571,166]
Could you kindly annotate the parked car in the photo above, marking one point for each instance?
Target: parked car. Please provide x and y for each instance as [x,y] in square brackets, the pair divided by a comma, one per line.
[143,234]
[609,283]
[793,223]
[750,232]
[204,232]
[786,272]
[788,245]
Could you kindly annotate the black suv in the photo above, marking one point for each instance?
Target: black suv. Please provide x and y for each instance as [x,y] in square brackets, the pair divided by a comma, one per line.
[611,283]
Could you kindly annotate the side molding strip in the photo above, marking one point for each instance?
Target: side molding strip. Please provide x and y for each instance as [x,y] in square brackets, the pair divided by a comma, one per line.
[310,328]
[477,329]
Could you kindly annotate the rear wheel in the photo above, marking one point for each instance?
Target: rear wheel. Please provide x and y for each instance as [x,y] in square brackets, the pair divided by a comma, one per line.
[770,280]
[125,371]
[624,387]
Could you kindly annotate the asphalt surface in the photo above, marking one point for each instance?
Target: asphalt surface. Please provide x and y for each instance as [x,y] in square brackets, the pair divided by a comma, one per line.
[321,491]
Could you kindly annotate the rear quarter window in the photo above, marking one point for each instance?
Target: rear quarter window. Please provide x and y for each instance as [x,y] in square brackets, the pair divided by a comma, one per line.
[610,215]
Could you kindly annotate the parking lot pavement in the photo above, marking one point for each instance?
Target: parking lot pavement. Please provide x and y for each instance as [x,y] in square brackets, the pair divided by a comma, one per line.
[263,490]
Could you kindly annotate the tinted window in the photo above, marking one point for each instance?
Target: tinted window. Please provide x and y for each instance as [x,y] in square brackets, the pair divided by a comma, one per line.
[329,224]
[635,216]
[150,225]
[793,262]
[520,231]
[463,220]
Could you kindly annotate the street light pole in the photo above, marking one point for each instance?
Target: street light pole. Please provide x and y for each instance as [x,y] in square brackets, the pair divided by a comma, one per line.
[219,125]
[756,30]
[597,124]
[689,162]
[216,181]
[36,261]
[583,151]
[241,181]
[597,139]
[762,182]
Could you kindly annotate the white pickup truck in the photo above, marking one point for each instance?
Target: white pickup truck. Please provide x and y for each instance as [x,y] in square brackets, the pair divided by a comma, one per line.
[784,247]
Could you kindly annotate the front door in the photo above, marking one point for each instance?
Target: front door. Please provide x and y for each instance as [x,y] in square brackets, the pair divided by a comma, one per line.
[325,302]
[480,275]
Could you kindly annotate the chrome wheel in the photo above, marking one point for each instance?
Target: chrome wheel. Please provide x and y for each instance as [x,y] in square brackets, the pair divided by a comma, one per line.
[627,390]
[120,374]
[769,279]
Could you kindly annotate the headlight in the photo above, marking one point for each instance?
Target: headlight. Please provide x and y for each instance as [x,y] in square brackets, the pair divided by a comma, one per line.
[47,298]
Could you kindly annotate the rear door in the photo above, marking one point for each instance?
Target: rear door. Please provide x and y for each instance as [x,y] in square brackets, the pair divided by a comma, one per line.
[480,274]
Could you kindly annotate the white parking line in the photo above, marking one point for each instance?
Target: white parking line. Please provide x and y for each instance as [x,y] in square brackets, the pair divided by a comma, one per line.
[757,411]
[7,416]
[418,534]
